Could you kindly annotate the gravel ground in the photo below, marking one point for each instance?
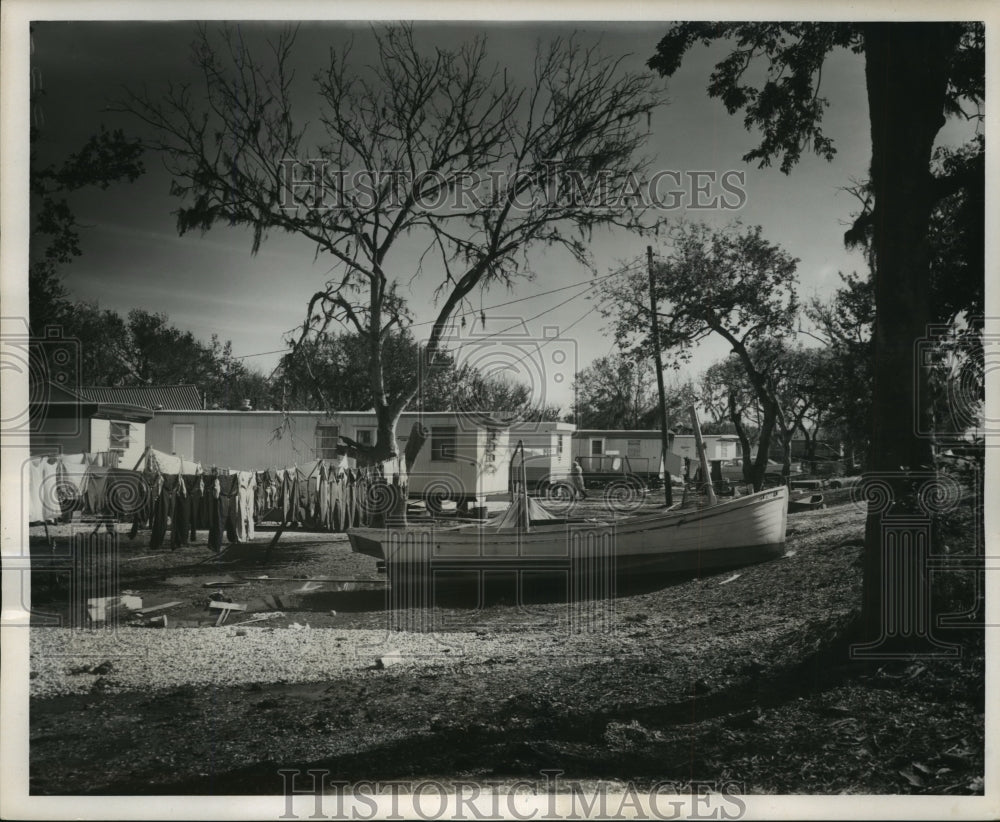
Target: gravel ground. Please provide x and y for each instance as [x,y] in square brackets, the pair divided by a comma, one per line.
[688,617]
[738,675]
[145,660]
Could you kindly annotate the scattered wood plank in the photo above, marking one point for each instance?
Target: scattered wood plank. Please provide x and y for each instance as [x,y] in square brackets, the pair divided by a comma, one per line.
[227,606]
[225,609]
[312,579]
[150,608]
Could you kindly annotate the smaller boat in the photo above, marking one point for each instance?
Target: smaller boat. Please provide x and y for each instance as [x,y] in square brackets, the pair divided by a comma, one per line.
[811,503]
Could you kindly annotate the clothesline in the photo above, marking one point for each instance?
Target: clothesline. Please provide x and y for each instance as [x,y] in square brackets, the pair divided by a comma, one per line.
[174,464]
[323,493]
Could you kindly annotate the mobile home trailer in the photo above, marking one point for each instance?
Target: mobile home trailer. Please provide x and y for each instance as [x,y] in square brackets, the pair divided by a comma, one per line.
[465,458]
[605,454]
[718,448]
[548,452]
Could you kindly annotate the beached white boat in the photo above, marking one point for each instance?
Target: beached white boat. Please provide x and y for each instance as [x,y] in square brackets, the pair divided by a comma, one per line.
[739,532]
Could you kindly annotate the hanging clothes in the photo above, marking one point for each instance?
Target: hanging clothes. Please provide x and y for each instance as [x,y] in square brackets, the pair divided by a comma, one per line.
[285,477]
[172,463]
[34,485]
[229,491]
[349,511]
[270,494]
[95,492]
[74,468]
[338,501]
[213,494]
[35,481]
[143,517]
[302,479]
[67,493]
[194,484]
[323,510]
[360,512]
[312,498]
[246,488]
[181,514]
[295,503]
[43,490]
[163,498]
[364,483]
[260,496]
[125,493]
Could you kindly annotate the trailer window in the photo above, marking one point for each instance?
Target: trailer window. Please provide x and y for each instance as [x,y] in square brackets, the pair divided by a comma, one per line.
[326,441]
[634,448]
[596,448]
[443,443]
[559,445]
[118,436]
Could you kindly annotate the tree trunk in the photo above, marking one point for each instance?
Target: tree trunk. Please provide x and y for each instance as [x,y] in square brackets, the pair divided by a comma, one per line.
[741,432]
[764,444]
[389,490]
[906,72]
[811,441]
[850,457]
[764,389]
[786,456]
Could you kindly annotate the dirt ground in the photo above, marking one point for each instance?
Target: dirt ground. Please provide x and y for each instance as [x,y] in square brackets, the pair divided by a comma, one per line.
[742,675]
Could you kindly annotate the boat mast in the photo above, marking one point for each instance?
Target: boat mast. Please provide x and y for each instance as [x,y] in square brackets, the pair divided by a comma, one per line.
[702,457]
[519,488]
[668,498]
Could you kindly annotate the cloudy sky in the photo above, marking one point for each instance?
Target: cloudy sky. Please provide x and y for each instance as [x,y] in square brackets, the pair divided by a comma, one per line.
[133,256]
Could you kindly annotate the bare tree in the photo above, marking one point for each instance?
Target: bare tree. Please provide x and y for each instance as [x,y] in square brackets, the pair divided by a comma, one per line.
[434,143]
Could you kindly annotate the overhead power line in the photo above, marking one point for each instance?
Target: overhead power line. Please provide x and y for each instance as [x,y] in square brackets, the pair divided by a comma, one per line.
[589,283]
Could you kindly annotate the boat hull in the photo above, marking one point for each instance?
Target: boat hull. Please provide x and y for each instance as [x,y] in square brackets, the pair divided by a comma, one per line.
[739,532]
[813,502]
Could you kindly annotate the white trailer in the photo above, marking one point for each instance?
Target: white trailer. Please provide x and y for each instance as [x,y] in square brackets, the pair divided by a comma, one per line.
[718,448]
[548,452]
[466,456]
[605,454]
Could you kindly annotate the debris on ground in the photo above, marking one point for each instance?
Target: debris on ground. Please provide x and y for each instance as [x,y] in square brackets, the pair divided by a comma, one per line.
[751,683]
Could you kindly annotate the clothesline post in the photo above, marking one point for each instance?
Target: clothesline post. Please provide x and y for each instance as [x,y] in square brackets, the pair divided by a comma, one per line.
[143,458]
[273,542]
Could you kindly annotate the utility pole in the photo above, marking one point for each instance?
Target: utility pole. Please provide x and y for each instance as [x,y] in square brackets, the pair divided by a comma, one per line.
[668,494]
